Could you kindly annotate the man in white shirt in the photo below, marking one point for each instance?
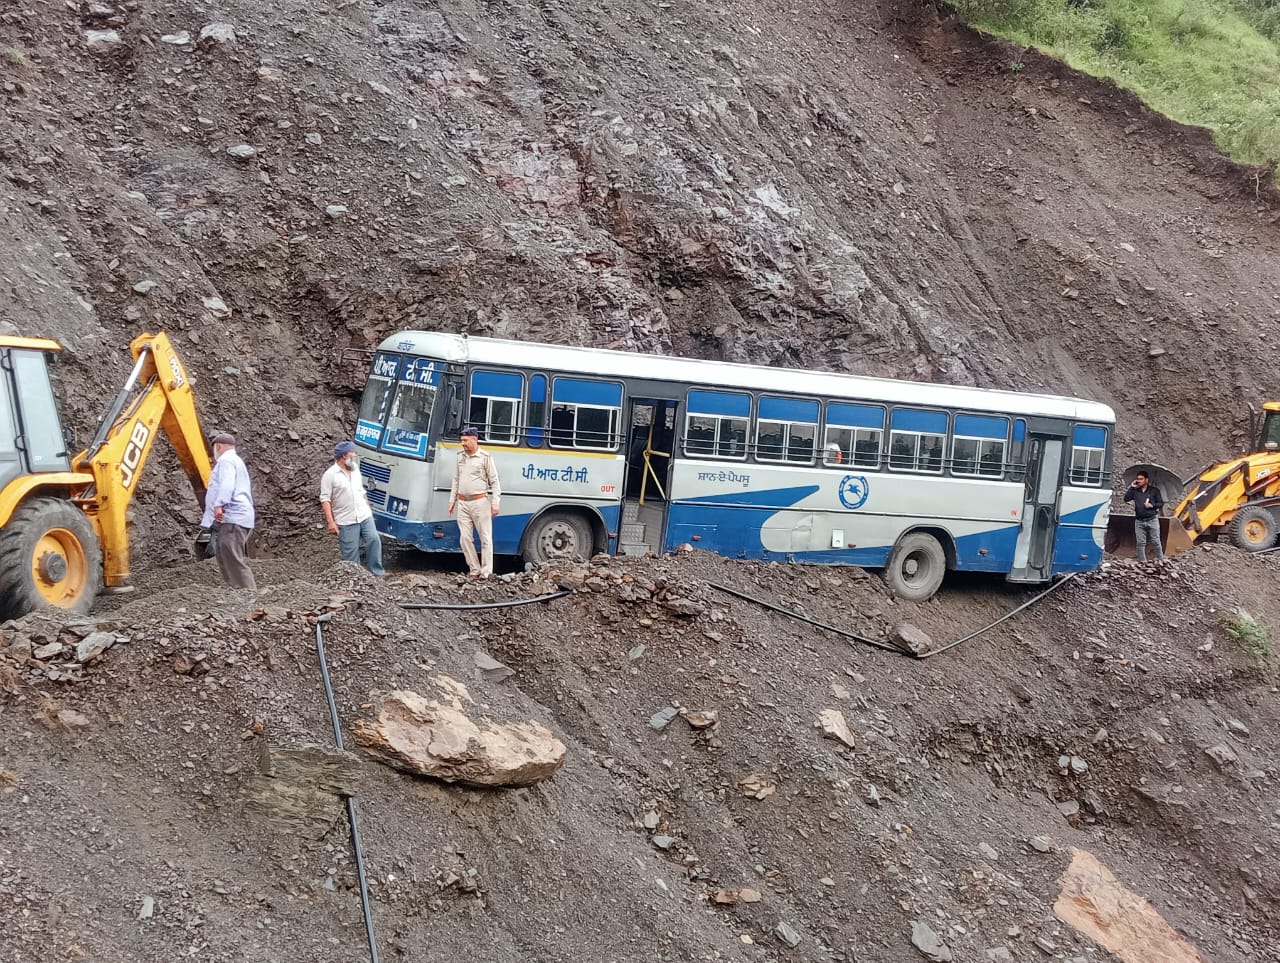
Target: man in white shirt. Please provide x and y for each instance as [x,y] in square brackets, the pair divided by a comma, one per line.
[347,511]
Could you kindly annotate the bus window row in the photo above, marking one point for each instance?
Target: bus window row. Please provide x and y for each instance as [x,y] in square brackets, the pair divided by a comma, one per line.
[585,414]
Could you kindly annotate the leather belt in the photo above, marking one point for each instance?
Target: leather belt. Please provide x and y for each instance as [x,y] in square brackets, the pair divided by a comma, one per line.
[471,498]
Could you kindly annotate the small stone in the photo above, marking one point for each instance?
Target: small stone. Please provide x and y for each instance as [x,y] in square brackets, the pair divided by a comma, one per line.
[242,151]
[1100,736]
[999,954]
[651,821]
[1046,944]
[1235,725]
[1156,352]
[270,75]
[145,287]
[314,139]
[217,33]
[101,41]
[1127,247]
[216,305]
[927,942]
[700,720]
[663,842]
[749,895]
[335,211]
[46,652]
[1069,807]
[840,692]
[182,664]
[662,718]
[148,908]
[988,851]
[724,897]
[180,39]
[916,640]
[92,646]
[785,932]
[636,653]
[758,786]
[1041,844]
[490,669]
[834,726]
[873,796]
[1223,755]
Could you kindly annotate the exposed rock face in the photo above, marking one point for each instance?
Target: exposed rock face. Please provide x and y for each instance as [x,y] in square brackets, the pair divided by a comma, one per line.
[437,738]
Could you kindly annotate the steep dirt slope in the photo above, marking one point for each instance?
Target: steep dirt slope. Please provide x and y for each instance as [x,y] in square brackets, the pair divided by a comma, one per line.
[133,839]
[848,186]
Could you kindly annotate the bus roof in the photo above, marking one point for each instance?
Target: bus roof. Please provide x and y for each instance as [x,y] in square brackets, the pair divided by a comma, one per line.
[603,362]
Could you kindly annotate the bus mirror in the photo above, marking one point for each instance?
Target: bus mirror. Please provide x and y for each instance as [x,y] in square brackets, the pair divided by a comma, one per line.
[453,414]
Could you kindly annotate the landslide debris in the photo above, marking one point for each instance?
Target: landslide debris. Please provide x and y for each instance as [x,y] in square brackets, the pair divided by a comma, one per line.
[700,808]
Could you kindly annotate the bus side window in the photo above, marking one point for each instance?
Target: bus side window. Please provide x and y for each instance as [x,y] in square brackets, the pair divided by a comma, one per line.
[537,409]
[978,445]
[916,439]
[495,405]
[586,414]
[856,431]
[786,429]
[716,424]
[1088,453]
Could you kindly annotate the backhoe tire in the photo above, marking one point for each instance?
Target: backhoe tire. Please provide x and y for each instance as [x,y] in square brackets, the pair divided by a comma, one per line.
[915,567]
[49,558]
[1253,528]
[556,537]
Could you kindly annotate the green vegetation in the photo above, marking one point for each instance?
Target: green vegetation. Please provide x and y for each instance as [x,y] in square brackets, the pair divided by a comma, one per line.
[1253,638]
[1212,63]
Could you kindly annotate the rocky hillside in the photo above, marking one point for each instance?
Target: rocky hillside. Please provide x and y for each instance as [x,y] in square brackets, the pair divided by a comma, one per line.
[853,186]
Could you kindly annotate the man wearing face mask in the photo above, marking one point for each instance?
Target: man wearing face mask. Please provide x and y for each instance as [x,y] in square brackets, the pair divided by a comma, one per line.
[346,509]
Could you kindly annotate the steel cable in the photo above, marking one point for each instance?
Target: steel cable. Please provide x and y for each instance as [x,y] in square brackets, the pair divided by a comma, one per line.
[889,646]
[357,849]
[462,607]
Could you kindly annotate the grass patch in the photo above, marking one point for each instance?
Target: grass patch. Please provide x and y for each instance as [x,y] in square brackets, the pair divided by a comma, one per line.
[1252,637]
[1211,63]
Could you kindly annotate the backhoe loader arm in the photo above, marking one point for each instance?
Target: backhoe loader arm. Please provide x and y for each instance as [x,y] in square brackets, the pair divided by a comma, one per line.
[156,397]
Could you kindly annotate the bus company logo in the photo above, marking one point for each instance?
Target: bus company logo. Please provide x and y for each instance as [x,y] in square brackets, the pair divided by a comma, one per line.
[854,490]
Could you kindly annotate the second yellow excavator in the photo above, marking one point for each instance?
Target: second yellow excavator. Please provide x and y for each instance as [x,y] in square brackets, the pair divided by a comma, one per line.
[63,533]
[1237,497]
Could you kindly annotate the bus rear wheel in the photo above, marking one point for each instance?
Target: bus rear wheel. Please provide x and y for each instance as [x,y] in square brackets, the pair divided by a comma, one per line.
[915,567]
[49,557]
[557,536]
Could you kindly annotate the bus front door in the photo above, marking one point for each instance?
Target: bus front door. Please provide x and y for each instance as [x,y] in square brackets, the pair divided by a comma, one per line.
[650,441]
[1033,554]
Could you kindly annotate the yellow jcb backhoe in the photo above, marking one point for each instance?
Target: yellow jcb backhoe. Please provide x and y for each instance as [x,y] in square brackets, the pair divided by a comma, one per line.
[1236,497]
[63,534]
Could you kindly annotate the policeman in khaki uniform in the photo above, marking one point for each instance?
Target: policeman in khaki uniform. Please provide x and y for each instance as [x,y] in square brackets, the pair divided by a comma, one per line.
[476,492]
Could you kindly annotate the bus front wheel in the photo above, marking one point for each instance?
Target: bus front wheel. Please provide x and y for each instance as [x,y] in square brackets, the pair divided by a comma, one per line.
[557,536]
[916,566]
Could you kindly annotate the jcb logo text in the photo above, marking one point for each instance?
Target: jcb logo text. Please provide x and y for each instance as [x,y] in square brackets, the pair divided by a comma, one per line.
[133,454]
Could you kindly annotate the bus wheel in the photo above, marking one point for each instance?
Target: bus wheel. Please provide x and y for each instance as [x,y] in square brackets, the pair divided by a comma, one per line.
[916,566]
[49,557]
[1253,528]
[556,536]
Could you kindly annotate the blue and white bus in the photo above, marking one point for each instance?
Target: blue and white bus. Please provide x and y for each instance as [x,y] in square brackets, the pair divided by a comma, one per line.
[610,451]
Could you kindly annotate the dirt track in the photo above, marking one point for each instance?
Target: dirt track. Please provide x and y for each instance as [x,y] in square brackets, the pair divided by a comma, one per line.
[850,186]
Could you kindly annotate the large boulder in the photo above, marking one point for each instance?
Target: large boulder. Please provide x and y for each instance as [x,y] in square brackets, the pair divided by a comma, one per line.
[437,738]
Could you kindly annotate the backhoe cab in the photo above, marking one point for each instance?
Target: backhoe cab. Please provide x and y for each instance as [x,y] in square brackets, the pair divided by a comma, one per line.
[63,533]
[1237,497]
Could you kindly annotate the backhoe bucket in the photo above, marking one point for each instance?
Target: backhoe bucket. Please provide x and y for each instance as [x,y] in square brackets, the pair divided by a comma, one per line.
[1122,543]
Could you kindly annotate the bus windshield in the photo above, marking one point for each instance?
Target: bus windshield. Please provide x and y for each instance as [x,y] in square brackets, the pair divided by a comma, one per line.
[399,399]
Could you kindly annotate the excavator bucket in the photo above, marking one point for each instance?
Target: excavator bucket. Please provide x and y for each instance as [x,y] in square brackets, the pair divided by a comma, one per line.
[1122,543]
[1174,536]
